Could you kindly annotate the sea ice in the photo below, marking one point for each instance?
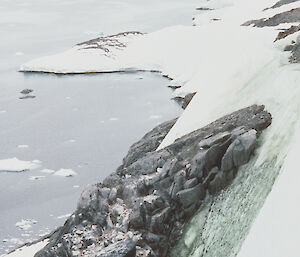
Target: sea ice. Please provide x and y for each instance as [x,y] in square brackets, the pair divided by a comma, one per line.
[48,171]
[23,146]
[65,173]
[16,165]
[36,177]
[26,223]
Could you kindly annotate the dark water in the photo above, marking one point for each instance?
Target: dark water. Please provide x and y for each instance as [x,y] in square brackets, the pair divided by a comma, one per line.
[83,122]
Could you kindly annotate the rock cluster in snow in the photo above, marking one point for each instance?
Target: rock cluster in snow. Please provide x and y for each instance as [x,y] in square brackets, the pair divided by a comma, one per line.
[141,209]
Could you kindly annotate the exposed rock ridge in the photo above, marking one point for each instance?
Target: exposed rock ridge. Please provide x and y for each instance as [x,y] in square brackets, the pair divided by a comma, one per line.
[281,3]
[141,209]
[108,44]
[284,17]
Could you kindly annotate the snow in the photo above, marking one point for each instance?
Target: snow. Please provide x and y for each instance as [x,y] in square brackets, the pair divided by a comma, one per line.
[27,251]
[16,165]
[276,230]
[230,67]
[65,173]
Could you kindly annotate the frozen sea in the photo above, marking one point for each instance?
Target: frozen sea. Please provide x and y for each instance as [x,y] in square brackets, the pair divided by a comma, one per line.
[83,123]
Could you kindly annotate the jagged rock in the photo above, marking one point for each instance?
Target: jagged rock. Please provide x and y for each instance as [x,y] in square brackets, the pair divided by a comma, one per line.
[153,193]
[190,183]
[126,248]
[280,3]
[191,195]
[284,17]
[218,183]
[238,153]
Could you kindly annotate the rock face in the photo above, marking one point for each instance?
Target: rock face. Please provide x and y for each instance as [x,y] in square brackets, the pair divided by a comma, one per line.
[284,17]
[294,48]
[281,3]
[141,209]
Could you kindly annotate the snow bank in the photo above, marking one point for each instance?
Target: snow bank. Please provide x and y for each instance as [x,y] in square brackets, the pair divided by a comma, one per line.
[16,165]
[27,251]
[276,230]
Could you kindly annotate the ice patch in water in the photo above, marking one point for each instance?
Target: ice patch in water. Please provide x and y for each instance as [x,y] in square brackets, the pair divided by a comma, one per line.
[114,119]
[36,177]
[72,141]
[16,165]
[25,224]
[155,117]
[65,173]
[48,171]
[19,53]
[3,111]
[23,146]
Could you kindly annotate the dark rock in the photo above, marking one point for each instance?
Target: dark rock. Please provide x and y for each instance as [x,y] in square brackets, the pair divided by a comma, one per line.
[218,183]
[238,153]
[158,221]
[187,99]
[283,34]
[191,195]
[280,3]
[216,139]
[153,193]
[184,101]
[190,183]
[26,91]
[126,248]
[284,17]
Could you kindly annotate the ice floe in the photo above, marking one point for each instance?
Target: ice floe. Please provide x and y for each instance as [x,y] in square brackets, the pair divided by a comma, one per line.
[65,173]
[36,178]
[25,224]
[16,165]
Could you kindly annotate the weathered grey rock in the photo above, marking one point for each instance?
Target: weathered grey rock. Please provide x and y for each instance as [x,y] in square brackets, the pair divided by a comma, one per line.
[112,195]
[238,153]
[221,137]
[284,17]
[191,195]
[190,183]
[105,192]
[295,52]
[126,248]
[88,198]
[219,182]
[158,221]
[281,3]
[153,193]
[283,34]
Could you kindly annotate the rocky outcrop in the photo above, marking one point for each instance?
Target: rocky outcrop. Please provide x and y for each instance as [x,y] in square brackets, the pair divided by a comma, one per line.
[286,32]
[294,48]
[184,101]
[284,17]
[281,3]
[141,209]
